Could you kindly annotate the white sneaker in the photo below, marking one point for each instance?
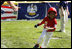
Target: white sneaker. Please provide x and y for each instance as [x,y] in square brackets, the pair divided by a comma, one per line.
[63,31]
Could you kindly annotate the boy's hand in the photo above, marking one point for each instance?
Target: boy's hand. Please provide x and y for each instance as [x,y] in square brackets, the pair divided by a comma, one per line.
[49,28]
[36,25]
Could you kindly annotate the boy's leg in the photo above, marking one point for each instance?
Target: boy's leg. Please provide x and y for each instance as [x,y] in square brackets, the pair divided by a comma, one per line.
[42,36]
[51,33]
[40,39]
[47,39]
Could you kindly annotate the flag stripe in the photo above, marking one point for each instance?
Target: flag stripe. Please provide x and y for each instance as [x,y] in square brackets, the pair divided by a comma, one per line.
[6,7]
[8,17]
[8,12]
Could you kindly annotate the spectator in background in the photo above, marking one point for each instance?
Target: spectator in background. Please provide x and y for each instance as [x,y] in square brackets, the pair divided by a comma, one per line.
[64,13]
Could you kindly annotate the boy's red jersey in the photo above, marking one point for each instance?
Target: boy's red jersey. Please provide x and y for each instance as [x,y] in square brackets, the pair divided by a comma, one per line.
[50,23]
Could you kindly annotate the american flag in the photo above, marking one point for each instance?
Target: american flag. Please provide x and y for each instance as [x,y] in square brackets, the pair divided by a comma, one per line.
[7,12]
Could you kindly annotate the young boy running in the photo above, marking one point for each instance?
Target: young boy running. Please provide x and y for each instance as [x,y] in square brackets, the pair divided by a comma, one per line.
[49,27]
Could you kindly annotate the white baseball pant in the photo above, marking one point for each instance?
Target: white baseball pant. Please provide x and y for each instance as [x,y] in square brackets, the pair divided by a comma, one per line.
[46,36]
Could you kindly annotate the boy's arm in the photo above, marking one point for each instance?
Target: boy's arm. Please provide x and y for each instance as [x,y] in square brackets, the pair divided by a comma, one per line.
[40,23]
[51,28]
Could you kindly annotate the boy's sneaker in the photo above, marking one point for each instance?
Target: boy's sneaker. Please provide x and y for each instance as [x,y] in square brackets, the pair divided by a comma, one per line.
[40,47]
[36,46]
[62,31]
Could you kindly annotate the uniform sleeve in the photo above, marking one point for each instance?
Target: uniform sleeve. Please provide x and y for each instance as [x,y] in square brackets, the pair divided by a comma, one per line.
[55,21]
[55,24]
[43,21]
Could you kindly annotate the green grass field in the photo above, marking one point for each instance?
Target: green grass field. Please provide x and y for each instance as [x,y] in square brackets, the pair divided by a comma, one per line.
[22,34]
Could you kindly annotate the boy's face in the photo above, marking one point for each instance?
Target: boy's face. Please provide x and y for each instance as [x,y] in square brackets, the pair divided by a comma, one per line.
[52,14]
